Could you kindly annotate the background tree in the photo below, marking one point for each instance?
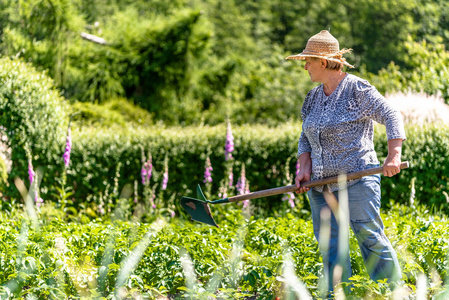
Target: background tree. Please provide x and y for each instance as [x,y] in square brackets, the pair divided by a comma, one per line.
[188,62]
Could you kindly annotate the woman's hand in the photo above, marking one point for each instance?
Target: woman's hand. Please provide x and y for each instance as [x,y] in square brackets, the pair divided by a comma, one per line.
[392,164]
[305,169]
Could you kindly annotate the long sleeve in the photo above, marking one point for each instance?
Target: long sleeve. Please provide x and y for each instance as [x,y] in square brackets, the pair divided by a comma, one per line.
[377,108]
[303,144]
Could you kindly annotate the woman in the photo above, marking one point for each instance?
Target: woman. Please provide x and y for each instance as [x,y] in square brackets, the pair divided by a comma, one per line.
[336,138]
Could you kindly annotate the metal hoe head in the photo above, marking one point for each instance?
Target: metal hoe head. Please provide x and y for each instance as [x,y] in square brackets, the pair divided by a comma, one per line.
[199,209]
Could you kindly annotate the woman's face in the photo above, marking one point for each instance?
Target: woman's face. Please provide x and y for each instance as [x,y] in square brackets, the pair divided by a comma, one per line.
[313,66]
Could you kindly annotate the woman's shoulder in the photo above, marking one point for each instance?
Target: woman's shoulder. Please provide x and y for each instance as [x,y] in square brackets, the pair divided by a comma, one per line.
[310,99]
[358,84]
[357,80]
[314,92]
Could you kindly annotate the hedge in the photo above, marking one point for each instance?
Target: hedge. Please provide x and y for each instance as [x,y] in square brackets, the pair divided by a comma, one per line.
[268,154]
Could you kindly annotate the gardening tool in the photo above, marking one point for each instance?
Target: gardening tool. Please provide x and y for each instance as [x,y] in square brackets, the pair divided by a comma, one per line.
[199,209]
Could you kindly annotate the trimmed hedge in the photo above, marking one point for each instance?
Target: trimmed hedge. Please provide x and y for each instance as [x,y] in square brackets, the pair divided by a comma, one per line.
[265,152]
[97,153]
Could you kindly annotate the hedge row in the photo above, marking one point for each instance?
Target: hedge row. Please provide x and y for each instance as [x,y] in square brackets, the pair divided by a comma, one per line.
[268,154]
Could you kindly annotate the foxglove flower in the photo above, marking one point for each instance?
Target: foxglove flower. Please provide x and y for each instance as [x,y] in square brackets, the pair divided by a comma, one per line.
[68,148]
[231,177]
[222,192]
[165,180]
[143,172]
[135,191]
[246,202]
[208,171]
[149,168]
[153,196]
[146,172]
[229,144]
[291,199]
[31,172]
[38,199]
[241,183]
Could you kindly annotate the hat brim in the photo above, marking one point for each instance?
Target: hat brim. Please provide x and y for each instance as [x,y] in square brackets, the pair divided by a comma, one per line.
[302,56]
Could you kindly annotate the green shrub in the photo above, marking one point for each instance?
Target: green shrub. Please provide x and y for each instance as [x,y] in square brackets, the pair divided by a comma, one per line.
[32,113]
[426,71]
[115,112]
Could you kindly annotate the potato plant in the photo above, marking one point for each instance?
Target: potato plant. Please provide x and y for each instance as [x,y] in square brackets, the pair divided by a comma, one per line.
[245,258]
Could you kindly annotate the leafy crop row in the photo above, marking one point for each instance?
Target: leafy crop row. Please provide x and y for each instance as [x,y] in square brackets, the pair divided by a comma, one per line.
[242,258]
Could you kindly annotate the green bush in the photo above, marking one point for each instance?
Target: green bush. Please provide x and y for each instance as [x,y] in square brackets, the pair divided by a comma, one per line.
[269,155]
[426,71]
[33,115]
[115,112]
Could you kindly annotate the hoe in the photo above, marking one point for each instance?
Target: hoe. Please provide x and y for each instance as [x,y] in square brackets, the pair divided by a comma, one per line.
[199,209]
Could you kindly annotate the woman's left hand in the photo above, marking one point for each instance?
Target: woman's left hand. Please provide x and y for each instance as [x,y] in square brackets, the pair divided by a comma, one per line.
[392,164]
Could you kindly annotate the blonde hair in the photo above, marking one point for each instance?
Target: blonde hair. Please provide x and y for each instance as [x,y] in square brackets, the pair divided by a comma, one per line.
[331,65]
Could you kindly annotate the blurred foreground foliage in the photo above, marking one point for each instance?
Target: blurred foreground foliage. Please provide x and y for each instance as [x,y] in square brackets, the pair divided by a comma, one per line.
[200,61]
[118,256]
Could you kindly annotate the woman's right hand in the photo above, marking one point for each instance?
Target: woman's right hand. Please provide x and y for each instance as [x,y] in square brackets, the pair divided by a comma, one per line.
[305,171]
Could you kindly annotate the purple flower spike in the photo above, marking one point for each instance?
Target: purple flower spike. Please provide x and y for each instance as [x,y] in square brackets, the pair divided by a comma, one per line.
[31,172]
[208,171]
[68,148]
[146,171]
[229,145]
[143,173]
[165,180]
[241,183]
[291,199]
[38,199]
[149,168]
[247,191]
[231,178]
[152,198]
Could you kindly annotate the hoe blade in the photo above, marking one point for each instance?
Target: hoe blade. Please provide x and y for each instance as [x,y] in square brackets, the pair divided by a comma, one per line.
[198,209]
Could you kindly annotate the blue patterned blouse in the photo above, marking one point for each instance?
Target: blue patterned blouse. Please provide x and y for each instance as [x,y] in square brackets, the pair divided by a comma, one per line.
[338,129]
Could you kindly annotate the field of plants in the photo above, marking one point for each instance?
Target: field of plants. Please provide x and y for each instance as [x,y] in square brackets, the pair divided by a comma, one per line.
[48,253]
[130,239]
[92,212]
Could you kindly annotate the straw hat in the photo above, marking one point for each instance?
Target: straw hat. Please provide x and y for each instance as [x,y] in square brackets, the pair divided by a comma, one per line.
[323,45]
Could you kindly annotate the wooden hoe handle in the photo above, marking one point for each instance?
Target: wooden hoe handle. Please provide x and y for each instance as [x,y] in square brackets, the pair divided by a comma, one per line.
[310,184]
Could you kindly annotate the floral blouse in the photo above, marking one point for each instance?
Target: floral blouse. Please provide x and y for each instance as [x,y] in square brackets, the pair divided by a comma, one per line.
[338,129]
